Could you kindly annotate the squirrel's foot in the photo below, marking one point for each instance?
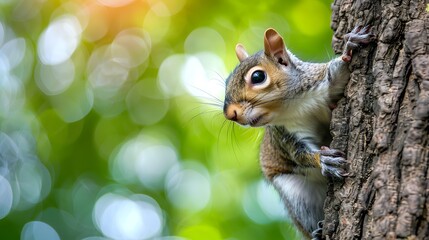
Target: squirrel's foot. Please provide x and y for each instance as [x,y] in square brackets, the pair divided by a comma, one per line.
[317,234]
[359,36]
[333,162]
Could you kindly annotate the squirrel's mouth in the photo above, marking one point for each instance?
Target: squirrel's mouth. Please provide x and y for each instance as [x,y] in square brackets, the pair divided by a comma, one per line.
[256,122]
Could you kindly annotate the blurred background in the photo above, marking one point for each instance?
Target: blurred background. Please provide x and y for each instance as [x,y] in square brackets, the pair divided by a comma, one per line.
[111,124]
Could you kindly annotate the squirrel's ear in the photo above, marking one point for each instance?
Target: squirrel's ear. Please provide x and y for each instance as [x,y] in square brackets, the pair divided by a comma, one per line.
[241,52]
[274,46]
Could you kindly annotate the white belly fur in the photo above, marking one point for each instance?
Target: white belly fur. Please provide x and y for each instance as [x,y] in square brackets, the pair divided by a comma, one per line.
[305,195]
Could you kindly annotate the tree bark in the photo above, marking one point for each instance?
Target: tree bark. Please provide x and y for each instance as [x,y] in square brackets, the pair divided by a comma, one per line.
[383,124]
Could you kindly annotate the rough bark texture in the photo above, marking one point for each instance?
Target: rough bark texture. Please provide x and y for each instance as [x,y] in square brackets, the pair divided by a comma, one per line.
[383,124]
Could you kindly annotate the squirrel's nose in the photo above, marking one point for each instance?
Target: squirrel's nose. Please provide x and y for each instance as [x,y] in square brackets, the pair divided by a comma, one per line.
[232,111]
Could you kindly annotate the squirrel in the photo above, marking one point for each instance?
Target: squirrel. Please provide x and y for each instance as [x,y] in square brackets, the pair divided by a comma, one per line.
[293,101]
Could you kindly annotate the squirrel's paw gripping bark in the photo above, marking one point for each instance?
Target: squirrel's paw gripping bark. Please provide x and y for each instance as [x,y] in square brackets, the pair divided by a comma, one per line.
[358,37]
[333,162]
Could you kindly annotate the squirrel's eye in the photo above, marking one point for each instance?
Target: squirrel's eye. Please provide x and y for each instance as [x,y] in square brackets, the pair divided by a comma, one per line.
[258,77]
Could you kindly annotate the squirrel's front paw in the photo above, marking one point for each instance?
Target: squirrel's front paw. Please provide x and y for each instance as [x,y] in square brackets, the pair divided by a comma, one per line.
[359,36]
[333,162]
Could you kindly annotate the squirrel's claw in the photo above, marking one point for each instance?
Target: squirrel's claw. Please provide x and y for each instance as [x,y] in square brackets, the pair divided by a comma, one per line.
[333,162]
[358,37]
[317,234]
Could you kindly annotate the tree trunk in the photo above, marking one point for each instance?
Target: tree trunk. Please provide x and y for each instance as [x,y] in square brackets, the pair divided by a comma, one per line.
[383,124]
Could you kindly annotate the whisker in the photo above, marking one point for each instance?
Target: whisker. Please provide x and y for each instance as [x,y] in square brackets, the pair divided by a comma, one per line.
[231,136]
[258,136]
[265,101]
[207,100]
[203,113]
[236,143]
[220,105]
[220,79]
[209,94]
[220,131]
[257,98]
[259,102]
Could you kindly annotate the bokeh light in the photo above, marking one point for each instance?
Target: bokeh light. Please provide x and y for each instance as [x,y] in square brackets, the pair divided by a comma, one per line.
[169,71]
[7,197]
[111,123]
[145,160]
[59,41]
[37,230]
[55,79]
[119,217]
[157,21]
[193,43]
[12,53]
[34,183]
[188,186]
[131,47]
[144,109]
[153,163]
[201,75]
[75,103]
[25,181]
[262,204]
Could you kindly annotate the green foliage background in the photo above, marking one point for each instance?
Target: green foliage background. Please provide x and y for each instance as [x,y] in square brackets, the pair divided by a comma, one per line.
[166,157]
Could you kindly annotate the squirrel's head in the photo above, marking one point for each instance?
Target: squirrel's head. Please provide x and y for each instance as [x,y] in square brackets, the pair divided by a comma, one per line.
[258,86]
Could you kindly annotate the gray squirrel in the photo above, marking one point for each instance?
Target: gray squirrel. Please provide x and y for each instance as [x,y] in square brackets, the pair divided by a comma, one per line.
[293,101]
